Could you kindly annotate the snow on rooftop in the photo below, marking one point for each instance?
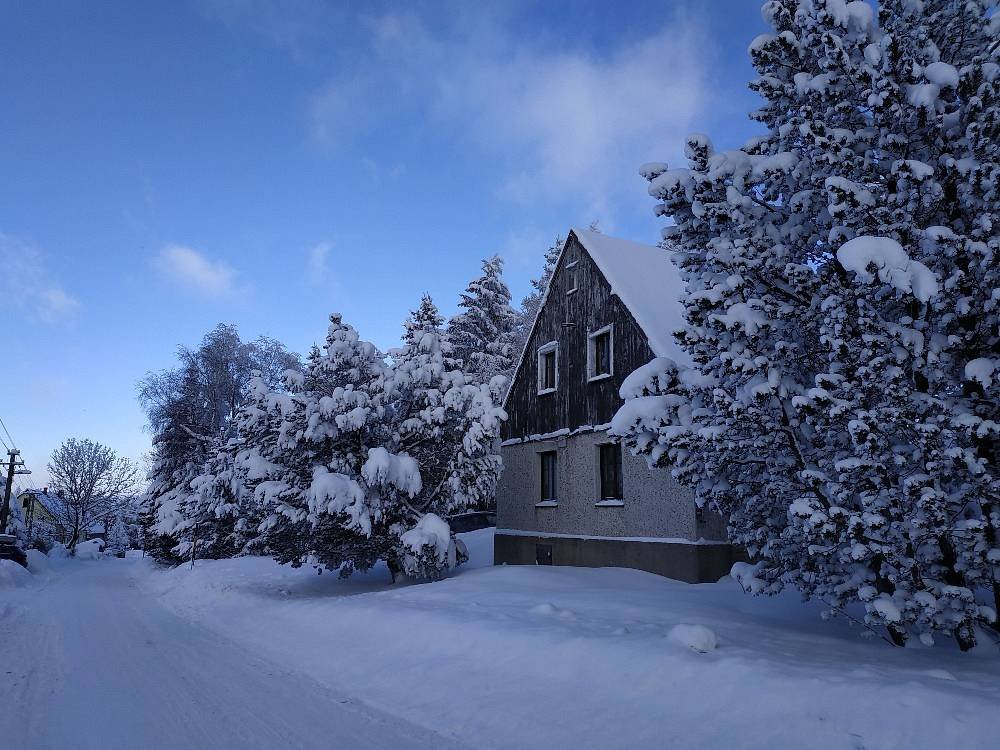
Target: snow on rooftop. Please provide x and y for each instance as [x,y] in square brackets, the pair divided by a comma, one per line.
[648,284]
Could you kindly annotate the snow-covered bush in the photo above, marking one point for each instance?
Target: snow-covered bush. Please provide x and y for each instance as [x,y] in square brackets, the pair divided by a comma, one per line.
[842,315]
[428,548]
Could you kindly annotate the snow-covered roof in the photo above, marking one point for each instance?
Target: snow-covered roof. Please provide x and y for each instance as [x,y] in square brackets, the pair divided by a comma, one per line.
[644,279]
[647,283]
[45,498]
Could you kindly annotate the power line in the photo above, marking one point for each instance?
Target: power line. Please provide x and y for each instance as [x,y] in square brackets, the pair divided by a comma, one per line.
[12,443]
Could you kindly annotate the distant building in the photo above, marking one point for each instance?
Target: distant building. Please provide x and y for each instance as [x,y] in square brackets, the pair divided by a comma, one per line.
[569,493]
[37,507]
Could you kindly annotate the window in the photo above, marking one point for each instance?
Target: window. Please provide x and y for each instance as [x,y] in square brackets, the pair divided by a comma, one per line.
[611,471]
[548,368]
[599,354]
[547,461]
[571,278]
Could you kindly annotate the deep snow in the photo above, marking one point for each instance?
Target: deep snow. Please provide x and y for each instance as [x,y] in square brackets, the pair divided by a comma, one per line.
[593,658]
[492,657]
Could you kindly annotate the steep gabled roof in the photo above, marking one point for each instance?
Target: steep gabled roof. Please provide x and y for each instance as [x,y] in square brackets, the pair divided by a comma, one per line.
[648,284]
[643,277]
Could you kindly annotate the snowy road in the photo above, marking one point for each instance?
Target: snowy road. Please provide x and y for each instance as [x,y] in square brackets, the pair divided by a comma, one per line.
[89,661]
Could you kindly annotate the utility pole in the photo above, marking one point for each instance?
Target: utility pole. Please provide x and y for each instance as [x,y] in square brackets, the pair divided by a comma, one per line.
[13,462]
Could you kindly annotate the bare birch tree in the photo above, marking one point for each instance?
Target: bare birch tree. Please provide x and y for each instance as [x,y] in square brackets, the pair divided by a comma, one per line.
[92,483]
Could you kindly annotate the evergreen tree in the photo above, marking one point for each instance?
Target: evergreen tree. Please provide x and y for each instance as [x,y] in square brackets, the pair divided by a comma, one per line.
[842,323]
[447,423]
[305,465]
[484,334]
[362,458]
[532,302]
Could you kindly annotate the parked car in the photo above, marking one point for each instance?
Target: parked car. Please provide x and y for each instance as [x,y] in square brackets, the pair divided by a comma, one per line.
[472,521]
[10,551]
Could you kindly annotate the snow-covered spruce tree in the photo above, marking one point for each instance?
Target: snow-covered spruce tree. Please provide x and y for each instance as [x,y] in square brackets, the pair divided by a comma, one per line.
[532,302]
[841,409]
[306,449]
[447,423]
[360,460]
[484,334]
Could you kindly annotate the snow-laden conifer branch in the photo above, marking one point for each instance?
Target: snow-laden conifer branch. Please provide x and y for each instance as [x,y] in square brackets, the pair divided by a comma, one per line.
[841,316]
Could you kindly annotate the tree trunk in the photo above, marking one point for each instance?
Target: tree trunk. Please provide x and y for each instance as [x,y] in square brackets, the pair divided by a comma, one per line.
[394,569]
[965,636]
[896,635]
[996,606]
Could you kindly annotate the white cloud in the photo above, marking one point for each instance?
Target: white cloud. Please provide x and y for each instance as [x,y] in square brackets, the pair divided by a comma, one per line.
[56,304]
[286,23]
[27,285]
[553,119]
[193,270]
[317,265]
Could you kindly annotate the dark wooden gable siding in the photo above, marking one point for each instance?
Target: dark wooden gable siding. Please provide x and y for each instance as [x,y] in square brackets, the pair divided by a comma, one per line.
[576,402]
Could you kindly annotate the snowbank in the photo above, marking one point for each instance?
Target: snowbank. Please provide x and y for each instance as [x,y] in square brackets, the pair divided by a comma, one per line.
[89,550]
[38,561]
[13,576]
[518,656]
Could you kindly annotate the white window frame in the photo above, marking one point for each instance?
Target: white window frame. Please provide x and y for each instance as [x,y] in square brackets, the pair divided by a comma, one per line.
[592,353]
[571,269]
[552,346]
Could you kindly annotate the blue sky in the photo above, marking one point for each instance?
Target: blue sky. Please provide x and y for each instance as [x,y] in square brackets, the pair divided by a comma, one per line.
[169,166]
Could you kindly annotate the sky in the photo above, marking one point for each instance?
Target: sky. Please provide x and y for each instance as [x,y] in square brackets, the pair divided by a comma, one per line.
[167,166]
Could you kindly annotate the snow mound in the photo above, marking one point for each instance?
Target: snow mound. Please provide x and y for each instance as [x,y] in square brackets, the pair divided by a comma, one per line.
[13,576]
[551,610]
[89,550]
[695,637]
[58,551]
[38,561]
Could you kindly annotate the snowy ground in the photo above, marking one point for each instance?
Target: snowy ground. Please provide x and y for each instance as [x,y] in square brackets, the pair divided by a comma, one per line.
[493,657]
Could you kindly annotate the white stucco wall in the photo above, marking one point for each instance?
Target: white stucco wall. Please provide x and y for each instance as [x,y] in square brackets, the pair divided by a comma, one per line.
[654,504]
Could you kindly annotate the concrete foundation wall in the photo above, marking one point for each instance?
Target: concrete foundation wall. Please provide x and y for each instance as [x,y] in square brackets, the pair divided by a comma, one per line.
[693,563]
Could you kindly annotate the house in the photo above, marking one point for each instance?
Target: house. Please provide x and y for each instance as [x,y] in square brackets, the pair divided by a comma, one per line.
[569,493]
[38,509]
[35,505]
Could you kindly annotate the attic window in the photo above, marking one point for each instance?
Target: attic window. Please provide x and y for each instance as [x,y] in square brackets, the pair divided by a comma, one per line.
[548,368]
[600,362]
[571,276]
